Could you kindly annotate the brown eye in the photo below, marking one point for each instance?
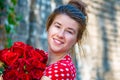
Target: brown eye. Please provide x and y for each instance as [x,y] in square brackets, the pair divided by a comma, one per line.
[57,26]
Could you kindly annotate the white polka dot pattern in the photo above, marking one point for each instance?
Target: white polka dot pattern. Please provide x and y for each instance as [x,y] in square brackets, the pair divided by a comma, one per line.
[62,70]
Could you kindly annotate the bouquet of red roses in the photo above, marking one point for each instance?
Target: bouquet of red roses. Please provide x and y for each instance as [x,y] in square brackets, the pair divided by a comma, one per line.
[23,62]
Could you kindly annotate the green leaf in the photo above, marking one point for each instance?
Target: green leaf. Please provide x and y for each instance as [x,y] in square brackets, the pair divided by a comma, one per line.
[19,18]
[14,2]
[7,28]
[9,44]
[1,70]
[2,4]
[10,10]
[11,19]
[12,28]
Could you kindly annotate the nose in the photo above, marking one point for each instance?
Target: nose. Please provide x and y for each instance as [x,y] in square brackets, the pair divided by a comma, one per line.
[61,34]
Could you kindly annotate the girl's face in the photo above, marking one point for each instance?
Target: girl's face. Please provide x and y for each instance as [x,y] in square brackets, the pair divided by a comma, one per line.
[62,34]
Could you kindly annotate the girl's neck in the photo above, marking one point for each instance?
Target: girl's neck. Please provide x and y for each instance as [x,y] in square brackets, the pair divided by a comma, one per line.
[54,57]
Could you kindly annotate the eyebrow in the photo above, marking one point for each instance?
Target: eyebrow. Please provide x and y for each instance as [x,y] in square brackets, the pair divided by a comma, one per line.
[57,23]
[68,27]
[72,29]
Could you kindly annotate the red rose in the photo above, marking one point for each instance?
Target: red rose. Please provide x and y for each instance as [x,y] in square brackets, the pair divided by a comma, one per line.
[18,47]
[9,57]
[10,75]
[36,74]
[43,54]
[24,76]
[23,62]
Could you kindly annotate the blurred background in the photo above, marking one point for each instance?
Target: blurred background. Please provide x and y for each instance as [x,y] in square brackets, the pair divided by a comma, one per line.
[24,20]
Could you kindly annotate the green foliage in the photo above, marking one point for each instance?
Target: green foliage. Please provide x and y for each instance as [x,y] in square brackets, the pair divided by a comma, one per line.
[8,29]
[1,70]
[14,2]
[1,67]
[12,19]
[9,44]
[2,4]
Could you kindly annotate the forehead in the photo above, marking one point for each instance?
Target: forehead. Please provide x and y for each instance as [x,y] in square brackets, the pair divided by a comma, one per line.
[66,21]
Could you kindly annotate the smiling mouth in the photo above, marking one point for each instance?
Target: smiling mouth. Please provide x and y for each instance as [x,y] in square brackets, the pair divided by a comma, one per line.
[57,41]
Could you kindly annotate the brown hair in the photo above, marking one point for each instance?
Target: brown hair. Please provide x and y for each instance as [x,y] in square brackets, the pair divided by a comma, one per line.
[75,9]
[82,31]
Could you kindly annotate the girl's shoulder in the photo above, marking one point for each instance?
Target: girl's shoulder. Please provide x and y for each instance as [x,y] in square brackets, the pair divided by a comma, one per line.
[63,69]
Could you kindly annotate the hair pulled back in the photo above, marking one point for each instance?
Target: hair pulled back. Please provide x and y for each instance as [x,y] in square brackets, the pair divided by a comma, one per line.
[76,10]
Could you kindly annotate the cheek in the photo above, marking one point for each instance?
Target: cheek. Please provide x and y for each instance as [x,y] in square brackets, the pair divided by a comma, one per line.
[51,30]
[50,33]
[72,41]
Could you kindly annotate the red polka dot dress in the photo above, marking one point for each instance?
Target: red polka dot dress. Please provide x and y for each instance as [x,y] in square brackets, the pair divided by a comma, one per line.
[64,69]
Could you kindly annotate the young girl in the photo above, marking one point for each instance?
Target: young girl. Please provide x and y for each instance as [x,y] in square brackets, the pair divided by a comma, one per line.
[65,27]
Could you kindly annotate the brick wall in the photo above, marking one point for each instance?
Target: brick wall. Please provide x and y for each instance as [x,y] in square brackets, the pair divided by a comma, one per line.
[104,40]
